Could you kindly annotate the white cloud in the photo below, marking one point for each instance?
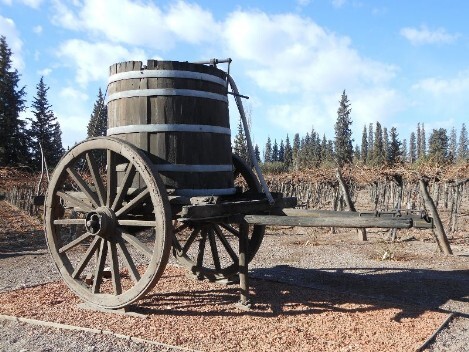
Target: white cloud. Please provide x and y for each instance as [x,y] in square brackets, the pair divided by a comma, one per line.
[139,24]
[338,3]
[444,87]
[31,3]
[37,29]
[89,58]
[8,29]
[294,54]
[45,72]
[423,35]
[73,94]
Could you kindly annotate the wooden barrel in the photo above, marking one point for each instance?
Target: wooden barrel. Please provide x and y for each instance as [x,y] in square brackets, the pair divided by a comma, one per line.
[178,113]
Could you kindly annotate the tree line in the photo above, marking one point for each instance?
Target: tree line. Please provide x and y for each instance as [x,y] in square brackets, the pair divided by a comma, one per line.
[31,142]
[379,146]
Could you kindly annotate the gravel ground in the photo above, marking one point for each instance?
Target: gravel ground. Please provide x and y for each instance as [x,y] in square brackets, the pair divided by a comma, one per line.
[417,277]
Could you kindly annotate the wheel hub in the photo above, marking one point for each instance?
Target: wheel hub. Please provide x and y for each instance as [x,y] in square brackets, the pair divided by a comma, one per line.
[101,222]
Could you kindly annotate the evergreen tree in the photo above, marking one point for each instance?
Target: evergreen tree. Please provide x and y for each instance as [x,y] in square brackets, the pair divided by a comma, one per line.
[419,142]
[240,146]
[394,150]
[14,139]
[452,147]
[423,141]
[412,148]
[275,151]
[343,132]
[371,143]
[45,130]
[268,151]
[438,145]
[296,151]
[378,148]
[404,150]
[97,126]
[364,147]
[386,144]
[463,145]
[257,153]
[288,157]
[281,152]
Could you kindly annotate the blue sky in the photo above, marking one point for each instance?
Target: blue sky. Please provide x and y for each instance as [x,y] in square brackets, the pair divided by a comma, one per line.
[400,62]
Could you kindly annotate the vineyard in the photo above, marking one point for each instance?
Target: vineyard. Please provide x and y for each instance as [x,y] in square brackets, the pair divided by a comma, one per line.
[371,189]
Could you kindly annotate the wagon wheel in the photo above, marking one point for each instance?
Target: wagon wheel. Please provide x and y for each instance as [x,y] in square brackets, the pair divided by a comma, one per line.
[107,222]
[210,250]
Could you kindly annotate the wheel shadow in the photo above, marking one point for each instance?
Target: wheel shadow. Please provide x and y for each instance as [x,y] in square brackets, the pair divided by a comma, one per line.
[287,291]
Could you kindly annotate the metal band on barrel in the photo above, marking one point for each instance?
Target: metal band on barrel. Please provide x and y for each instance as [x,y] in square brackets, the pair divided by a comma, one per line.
[166,92]
[193,168]
[155,128]
[167,74]
[204,192]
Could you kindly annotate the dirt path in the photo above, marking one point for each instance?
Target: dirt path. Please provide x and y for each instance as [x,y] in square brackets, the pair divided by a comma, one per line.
[334,295]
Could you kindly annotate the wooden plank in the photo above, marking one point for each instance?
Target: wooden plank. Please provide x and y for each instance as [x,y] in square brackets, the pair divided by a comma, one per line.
[198,212]
[308,221]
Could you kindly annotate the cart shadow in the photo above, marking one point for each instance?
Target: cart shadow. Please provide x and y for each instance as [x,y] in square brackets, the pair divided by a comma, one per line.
[311,291]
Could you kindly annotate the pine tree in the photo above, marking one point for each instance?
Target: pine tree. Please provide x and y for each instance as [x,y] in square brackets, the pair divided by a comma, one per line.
[343,132]
[463,145]
[257,153]
[438,145]
[412,148]
[288,158]
[419,142]
[268,151]
[281,152]
[378,148]
[364,147]
[404,150]
[14,139]
[386,144]
[275,151]
[394,150]
[45,130]
[452,147]
[296,151]
[423,141]
[97,126]
[371,143]
[240,146]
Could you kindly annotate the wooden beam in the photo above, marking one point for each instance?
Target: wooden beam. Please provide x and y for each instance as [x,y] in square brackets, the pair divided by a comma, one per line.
[348,222]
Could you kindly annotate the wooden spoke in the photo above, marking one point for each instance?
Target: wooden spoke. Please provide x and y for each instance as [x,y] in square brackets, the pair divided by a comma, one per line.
[140,223]
[126,182]
[98,182]
[231,229]
[111,185]
[86,258]
[213,247]
[190,240]
[115,275]
[226,244]
[128,262]
[137,244]
[200,255]
[133,203]
[83,186]
[75,202]
[74,243]
[99,269]
[70,222]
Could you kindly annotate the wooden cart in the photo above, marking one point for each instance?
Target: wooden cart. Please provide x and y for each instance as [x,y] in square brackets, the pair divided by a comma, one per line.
[164,181]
